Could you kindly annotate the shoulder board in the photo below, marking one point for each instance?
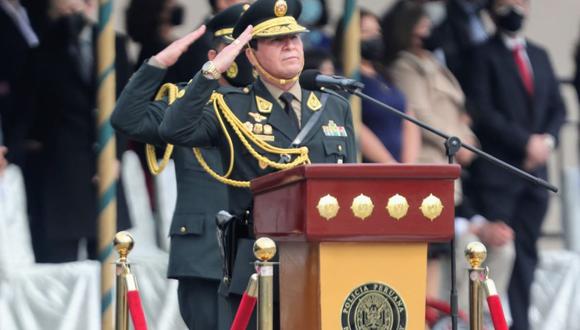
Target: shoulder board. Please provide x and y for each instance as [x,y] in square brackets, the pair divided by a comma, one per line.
[232,90]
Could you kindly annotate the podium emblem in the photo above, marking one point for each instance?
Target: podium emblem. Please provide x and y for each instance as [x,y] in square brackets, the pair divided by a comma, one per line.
[397,206]
[431,207]
[374,306]
[328,207]
[362,206]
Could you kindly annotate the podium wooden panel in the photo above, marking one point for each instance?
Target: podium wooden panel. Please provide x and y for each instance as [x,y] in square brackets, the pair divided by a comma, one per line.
[327,266]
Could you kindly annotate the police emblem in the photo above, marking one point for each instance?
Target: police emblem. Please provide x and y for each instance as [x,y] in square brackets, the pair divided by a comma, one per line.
[280,8]
[313,102]
[374,306]
[232,71]
[264,106]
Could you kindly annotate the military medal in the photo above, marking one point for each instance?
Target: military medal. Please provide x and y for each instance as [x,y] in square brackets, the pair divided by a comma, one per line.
[257,117]
[258,128]
[249,126]
[334,130]
[268,129]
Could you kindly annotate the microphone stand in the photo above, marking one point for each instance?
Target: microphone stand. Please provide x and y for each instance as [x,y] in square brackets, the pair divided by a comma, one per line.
[452,145]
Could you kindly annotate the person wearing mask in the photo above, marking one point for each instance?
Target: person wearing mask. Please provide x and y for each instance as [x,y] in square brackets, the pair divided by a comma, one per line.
[194,258]
[518,116]
[65,203]
[399,139]
[150,24]
[458,29]
[195,56]
[435,97]
[274,109]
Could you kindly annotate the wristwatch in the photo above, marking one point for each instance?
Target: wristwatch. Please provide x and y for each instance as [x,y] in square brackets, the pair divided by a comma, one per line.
[209,71]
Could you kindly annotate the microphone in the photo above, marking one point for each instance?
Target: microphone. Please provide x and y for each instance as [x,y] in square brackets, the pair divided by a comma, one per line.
[312,79]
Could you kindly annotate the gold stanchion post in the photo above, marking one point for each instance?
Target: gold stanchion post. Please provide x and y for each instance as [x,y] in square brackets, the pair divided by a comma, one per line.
[475,253]
[264,251]
[123,244]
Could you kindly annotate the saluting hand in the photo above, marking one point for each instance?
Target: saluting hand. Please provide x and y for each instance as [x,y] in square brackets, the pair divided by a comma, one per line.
[227,56]
[168,56]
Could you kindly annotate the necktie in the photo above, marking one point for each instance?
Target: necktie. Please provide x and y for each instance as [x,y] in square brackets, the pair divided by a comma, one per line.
[524,69]
[287,100]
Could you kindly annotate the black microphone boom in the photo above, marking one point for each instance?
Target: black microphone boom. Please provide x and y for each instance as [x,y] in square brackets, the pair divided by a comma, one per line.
[313,80]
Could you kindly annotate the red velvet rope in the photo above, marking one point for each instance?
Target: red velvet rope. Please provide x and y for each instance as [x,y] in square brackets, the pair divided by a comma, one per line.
[136,310]
[496,312]
[244,312]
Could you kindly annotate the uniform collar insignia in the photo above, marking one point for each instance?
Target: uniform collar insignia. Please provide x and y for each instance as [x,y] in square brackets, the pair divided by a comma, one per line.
[313,102]
[264,106]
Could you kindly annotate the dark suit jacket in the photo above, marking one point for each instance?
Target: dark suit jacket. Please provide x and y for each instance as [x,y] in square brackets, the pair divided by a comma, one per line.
[505,115]
[455,38]
[65,125]
[194,250]
[15,92]
[185,123]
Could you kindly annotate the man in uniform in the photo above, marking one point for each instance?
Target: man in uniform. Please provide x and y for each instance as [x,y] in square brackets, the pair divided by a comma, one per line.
[194,256]
[274,108]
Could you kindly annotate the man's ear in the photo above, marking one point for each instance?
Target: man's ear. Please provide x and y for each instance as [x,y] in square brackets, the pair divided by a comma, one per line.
[251,56]
[211,54]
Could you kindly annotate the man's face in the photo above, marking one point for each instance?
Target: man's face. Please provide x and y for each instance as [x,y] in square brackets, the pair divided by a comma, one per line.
[370,27]
[282,57]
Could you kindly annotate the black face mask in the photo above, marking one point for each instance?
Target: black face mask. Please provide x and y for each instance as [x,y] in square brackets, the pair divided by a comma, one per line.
[67,28]
[240,73]
[372,49]
[511,21]
[177,14]
[432,42]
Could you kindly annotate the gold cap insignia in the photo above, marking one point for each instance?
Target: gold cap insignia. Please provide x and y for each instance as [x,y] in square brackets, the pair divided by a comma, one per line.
[313,102]
[362,206]
[397,206]
[257,117]
[328,207]
[263,105]
[431,207]
[280,8]
[245,7]
[232,71]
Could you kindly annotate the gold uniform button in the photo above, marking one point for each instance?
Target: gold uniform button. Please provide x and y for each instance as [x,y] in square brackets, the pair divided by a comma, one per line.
[183,230]
[246,90]
[339,147]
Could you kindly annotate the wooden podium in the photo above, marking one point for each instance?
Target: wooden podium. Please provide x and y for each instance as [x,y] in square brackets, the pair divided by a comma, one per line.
[353,240]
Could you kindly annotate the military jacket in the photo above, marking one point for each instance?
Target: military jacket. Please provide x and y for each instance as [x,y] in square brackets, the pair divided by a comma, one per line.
[331,140]
[194,250]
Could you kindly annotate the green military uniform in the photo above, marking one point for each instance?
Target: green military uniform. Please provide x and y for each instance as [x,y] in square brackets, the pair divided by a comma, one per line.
[194,255]
[332,139]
